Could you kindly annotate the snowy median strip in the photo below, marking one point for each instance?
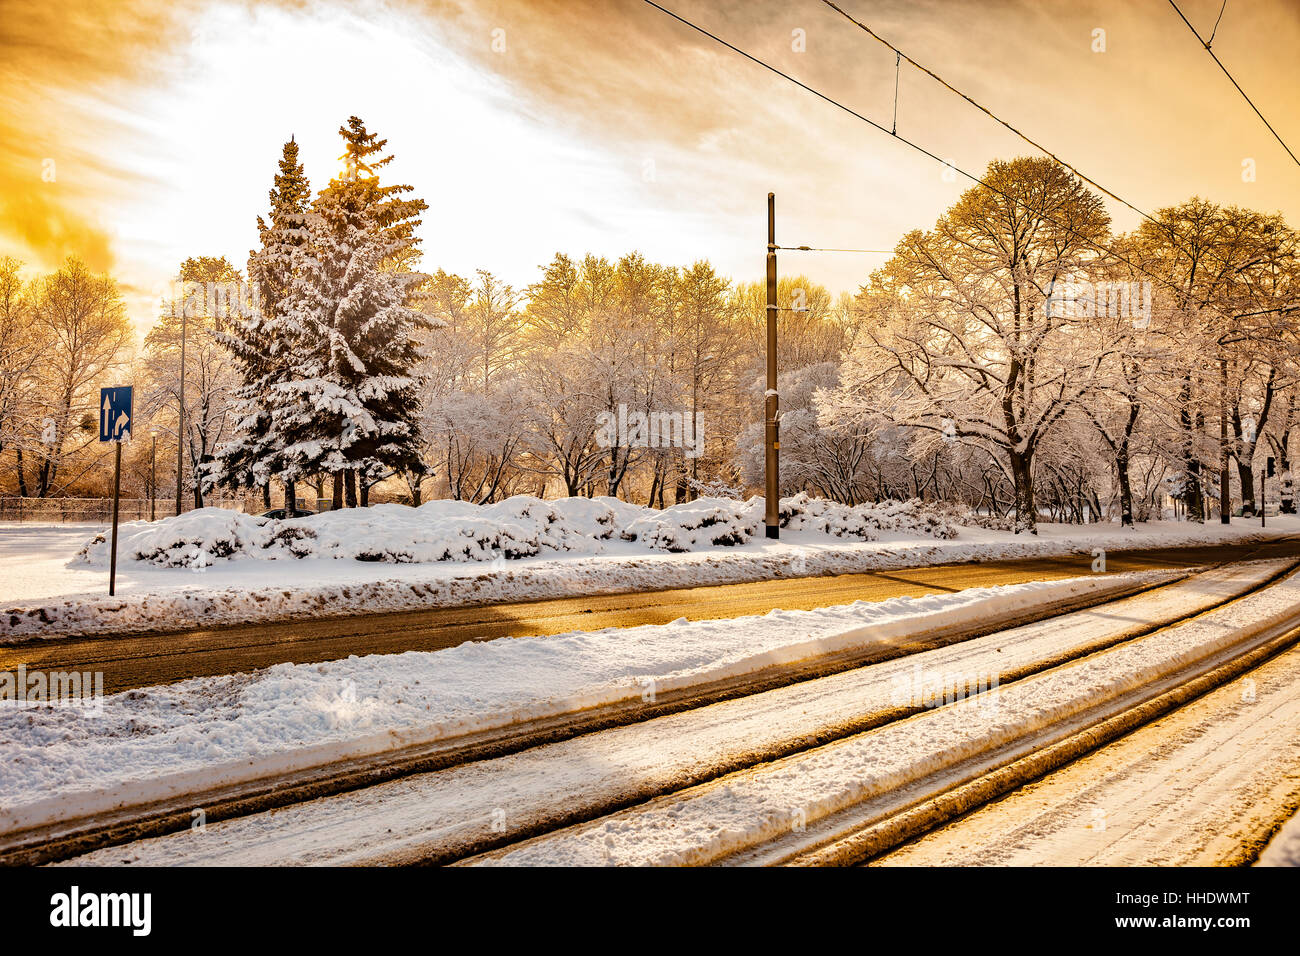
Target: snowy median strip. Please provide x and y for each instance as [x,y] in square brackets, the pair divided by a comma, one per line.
[753,807]
[168,741]
[331,581]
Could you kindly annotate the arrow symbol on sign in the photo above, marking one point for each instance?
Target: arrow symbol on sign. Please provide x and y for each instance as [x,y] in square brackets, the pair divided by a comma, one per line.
[103,429]
[122,420]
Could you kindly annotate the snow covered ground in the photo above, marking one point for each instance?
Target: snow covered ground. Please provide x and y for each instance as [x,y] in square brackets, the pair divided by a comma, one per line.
[161,741]
[761,805]
[1284,848]
[388,558]
[1198,787]
[458,809]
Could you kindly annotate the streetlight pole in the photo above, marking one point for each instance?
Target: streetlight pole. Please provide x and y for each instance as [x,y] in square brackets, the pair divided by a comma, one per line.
[153,475]
[180,419]
[772,460]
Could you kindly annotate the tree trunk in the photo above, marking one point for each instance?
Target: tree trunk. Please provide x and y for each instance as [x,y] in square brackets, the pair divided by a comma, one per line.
[1023,476]
[1191,491]
[1247,478]
[1125,489]
[22,473]
[290,495]
[350,488]
[1285,484]
[336,498]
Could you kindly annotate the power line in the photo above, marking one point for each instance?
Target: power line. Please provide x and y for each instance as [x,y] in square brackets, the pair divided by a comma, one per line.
[827,249]
[899,54]
[1216,24]
[1233,80]
[957,169]
[1173,233]
[916,146]
[982,108]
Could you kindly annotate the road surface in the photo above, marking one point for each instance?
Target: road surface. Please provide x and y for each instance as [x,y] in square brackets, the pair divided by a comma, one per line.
[147,659]
[1204,786]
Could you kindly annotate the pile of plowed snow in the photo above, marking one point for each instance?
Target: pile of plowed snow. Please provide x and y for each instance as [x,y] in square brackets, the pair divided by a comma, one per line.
[519,527]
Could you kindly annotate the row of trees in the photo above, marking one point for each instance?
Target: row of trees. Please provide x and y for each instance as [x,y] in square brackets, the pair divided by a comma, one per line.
[60,335]
[1175,362]
[1018,357]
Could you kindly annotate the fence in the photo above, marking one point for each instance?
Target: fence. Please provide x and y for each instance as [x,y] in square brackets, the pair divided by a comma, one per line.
[93,510]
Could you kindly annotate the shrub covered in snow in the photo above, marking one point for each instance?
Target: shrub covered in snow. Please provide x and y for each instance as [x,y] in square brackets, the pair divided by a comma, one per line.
[189,540]
[865,521]
[994,522]
[705,522]
[519,527]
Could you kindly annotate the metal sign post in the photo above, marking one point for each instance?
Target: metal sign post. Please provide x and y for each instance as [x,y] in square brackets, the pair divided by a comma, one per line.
[115,426]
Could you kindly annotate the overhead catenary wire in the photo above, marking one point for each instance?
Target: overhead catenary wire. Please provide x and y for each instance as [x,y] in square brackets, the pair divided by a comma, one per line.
[1216,24]
[898,62]
[1233,80]
[919,148]
[899,55]
[829,249]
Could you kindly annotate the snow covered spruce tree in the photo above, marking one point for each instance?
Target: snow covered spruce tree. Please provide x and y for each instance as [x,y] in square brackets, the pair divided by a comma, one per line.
[260,343]
[350,407]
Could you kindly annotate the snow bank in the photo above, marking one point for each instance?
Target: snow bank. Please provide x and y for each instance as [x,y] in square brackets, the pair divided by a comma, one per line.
[802,513]
[167,740]
[43,595]
[1284,848]
[519,527]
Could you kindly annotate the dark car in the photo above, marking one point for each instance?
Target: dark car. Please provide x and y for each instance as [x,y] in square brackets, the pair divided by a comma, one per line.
[281,513]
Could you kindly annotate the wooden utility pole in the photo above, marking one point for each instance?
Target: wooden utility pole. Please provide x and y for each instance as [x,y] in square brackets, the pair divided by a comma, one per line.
[1225,486]
[771,405]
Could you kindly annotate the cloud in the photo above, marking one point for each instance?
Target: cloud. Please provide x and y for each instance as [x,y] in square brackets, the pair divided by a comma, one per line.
[556,108]
[65,70]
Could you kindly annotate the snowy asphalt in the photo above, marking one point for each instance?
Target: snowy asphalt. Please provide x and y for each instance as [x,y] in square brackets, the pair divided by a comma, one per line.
[148,659]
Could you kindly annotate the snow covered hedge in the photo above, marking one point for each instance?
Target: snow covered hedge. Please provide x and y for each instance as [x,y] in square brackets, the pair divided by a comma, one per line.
[802,513]
[519,527]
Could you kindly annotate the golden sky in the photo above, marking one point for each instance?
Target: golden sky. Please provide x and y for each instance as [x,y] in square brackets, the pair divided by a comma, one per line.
[136,133]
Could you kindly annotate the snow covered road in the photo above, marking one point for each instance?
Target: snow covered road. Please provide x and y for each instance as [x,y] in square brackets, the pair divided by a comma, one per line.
[1202,786]
[444,815]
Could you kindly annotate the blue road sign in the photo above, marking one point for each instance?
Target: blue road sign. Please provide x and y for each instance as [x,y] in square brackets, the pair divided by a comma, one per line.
[115,413]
